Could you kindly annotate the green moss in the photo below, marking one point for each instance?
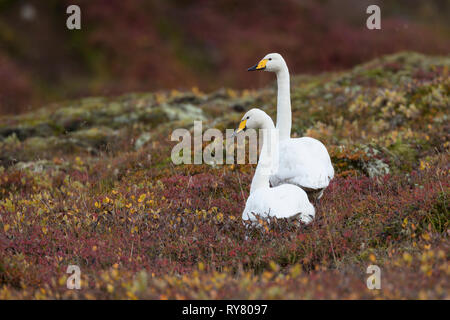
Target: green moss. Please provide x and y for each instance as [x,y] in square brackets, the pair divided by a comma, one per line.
[438,217]
[405,155]
[94,137]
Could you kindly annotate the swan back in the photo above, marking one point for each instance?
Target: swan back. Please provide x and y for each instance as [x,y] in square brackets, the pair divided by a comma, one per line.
[285,201]
[304,162]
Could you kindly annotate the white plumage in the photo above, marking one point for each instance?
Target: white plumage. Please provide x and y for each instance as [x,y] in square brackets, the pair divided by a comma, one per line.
[305,161]
[284,201]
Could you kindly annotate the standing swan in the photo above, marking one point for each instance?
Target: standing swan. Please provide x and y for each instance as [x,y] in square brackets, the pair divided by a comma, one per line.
[284,201]
[304,161]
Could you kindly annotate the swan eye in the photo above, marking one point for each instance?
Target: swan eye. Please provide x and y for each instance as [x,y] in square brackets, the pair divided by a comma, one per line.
[248,117]
[270,59]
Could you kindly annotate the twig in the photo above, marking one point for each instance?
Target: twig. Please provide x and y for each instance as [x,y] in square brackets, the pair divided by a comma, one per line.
[240,186]
[331,240]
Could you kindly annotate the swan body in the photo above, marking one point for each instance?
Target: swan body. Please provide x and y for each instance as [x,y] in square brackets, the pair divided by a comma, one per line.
[284,201]
[305,161]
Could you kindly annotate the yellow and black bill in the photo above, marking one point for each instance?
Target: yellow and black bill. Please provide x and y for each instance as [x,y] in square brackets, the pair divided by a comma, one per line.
[242,127]
[260,66]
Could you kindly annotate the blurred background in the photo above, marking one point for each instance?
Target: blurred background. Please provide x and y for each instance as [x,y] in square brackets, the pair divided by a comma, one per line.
[139,45]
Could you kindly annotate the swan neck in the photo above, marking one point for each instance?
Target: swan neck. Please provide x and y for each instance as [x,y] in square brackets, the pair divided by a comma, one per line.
[284,113]
[268,158]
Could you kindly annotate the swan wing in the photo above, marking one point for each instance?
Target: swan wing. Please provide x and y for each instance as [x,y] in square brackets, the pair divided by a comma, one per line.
[304,162]
[285,201]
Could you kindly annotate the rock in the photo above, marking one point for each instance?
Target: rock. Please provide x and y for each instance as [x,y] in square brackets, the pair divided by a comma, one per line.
[23,131]
[94,137]
[183,112]
[72,118]
[42,146]
[188,98]
[142,140]
[375,168]
[38,166]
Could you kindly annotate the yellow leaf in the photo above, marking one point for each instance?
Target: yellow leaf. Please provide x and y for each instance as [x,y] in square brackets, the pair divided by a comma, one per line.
[142,197]
[426,236]
[274,266]
[422,165]
[110,288]
[407,257]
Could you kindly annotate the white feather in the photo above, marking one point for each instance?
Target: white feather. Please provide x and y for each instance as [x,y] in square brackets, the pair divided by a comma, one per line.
[305,161]
[285,201]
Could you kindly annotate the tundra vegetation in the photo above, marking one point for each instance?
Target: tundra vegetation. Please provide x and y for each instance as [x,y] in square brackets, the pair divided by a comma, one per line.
[91,183]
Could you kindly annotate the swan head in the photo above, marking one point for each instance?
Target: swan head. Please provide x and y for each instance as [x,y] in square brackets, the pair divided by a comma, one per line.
[272,62]
[254,119]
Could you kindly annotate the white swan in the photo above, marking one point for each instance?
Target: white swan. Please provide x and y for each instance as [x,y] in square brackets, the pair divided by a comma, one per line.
[284,201]
[304,161]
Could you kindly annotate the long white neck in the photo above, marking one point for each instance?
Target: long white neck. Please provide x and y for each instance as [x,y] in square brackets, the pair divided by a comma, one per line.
[284,113]
[268,157]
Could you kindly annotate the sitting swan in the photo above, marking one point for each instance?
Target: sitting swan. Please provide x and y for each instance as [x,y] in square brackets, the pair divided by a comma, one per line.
[304,161]
[284,201]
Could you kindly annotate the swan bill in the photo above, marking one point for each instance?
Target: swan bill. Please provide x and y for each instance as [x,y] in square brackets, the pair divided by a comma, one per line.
[242,127]
[260,66]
